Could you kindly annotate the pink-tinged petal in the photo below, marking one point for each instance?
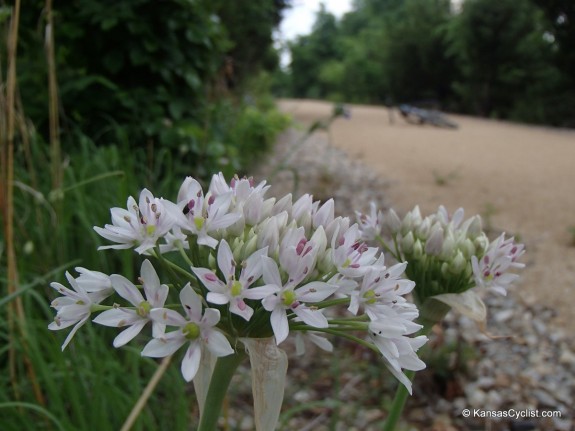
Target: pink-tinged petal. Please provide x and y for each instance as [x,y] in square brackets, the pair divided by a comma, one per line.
[191,302]
[73,332]
[190,189]
[211,317]
[218,344]
[128,334]
[253,267]
[226,259]
[313,318]
[239,307]
[217,298]
[315,291]
[167,317]
[271,272]
[161,347]
[260,292]
[117,318]
[191,361]
[279,322]
[126,289]
[210,280]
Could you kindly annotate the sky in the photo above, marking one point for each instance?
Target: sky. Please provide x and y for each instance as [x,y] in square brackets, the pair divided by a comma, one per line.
[298,20]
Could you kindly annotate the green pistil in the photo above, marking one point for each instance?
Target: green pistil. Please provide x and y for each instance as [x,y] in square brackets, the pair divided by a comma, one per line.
[199,222]
[150,229]
[144,309]
[191,331]
[80,302]
[289,298]
[346,263]
[236,288]
[370,297]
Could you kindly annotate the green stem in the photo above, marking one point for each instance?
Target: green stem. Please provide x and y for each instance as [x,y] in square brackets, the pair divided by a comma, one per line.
[402,393]
[222,375]
[398,404]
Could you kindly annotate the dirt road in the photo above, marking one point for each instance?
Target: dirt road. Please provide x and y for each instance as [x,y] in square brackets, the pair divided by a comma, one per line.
[520,178]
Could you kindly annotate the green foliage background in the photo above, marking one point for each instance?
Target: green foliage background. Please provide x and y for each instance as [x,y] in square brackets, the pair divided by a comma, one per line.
[510,59]
[148,92]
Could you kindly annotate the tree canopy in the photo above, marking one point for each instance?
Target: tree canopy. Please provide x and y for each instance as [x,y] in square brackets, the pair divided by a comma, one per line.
[497,58]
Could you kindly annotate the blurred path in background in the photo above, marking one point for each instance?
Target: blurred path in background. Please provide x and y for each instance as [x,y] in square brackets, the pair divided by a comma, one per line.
[520,178]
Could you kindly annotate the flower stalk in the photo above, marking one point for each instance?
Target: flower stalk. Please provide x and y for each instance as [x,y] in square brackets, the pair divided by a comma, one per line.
[224,370]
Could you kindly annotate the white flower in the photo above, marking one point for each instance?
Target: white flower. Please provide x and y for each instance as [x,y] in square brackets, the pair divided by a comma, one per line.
[196,329]
[74,307]
[142,224]
[288,297]
[94,281]
[156,295]
[174,240]
[204,215]
[491,270]
[398,350]
[370,224]
[353,257]
[381,289]
[233,291]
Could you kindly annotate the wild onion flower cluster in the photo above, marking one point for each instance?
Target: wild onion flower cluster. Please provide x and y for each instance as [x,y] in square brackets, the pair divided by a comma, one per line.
[449,258]
[230,264]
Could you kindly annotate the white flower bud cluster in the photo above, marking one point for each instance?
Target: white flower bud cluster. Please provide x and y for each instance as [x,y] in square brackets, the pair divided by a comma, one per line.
[445,254]
[256,267]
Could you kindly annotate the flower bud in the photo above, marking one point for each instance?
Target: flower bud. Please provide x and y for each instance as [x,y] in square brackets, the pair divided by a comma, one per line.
[422,231]
[434,244]
[392,223]
[458,263]
[417,249]
[448,245]
[407,243]
[475,227]
[467,248]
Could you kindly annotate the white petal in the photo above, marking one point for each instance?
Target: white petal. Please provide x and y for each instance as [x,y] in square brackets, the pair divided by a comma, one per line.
[116,318]
[225,259]
[167,317]
[315,291]
[313,318]
[191,361]
[217,298]
[210,280]
[260,292]
[218,344]
[279,322]
[161,347]
[128,334]
[271,272]
[73,332]
[211,318]
[126,289]
[191,302]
